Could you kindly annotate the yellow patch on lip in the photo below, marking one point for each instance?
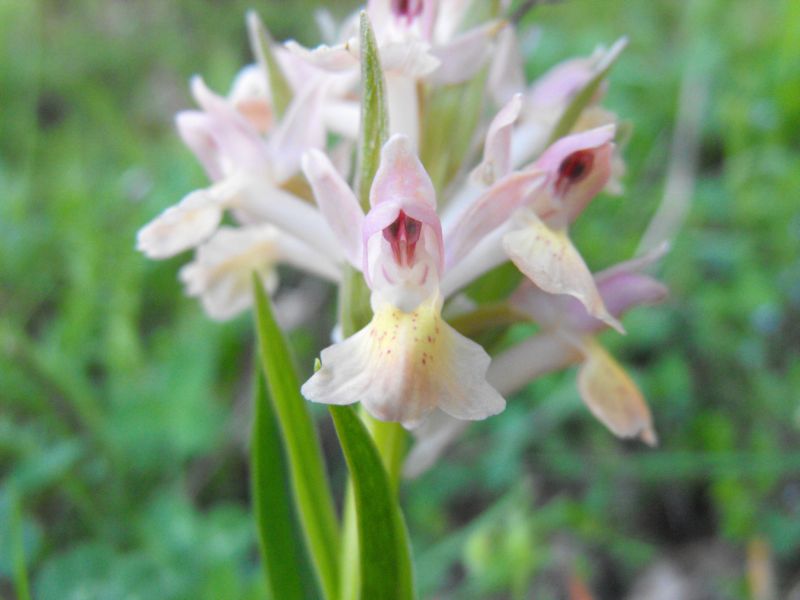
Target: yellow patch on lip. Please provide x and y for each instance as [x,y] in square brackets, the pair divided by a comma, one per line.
[415,336]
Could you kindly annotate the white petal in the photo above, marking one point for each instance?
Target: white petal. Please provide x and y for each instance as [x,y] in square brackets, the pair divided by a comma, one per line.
[548,258]
[401,178]
[465,55]
[300,129]
[263,203]
[329,58]
[487,254]
[342,118]
[182,226]
[196,129]
[410,58]
[221,273]
[403,365]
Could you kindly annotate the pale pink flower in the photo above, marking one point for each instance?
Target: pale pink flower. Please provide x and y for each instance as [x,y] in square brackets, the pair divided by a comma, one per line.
[407,361]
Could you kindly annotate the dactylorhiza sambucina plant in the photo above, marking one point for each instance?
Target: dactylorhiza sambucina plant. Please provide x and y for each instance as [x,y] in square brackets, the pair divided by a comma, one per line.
[449,227]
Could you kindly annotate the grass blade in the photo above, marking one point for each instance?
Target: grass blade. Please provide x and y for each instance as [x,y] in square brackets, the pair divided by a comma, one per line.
[282,552]
[309,482]
[385,553]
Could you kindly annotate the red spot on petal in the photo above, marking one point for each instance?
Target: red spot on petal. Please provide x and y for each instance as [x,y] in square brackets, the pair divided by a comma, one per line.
[573,169]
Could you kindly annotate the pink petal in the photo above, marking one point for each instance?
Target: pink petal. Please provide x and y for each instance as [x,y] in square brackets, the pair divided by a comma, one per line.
[401,177]
[489,211]
[569,191]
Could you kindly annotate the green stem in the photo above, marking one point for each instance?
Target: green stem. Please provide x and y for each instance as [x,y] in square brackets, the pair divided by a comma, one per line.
[391,440]
[350,580]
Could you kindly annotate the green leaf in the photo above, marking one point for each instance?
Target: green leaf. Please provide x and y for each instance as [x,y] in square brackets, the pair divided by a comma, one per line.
[374,113]
[309,482]
[279,538]
[261,43]
[385,552]
[581,100]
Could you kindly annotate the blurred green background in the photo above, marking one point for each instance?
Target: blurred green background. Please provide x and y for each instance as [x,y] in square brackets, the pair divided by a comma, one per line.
[124,410]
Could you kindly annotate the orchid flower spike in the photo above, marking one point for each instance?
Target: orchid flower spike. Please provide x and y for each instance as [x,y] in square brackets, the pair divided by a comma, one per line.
[407,361]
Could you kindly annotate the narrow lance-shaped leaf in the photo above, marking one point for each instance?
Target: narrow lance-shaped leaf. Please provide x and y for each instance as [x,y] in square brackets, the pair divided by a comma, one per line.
[309,482]
[582,99]
[279,538]
[385,553]
[374,113]
[261,43]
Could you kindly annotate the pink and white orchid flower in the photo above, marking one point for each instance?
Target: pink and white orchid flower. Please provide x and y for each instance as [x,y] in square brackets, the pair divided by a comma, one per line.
[567,337]
[407,361]
[531,227]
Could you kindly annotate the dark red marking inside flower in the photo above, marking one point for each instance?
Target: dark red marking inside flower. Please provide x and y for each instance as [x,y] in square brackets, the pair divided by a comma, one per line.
[403,235]
[407,9]
[573,169]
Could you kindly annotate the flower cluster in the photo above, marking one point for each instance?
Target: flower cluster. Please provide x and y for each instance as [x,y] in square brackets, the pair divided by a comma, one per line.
[441,214]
